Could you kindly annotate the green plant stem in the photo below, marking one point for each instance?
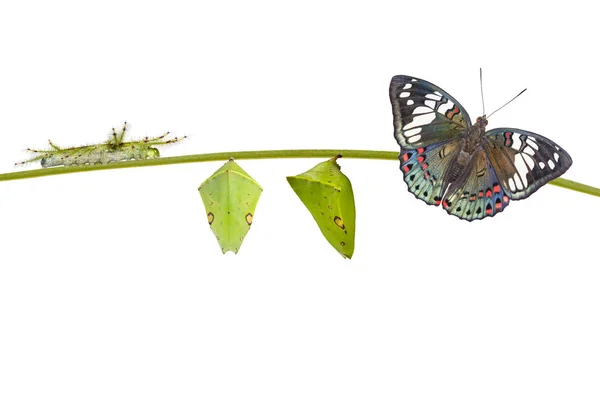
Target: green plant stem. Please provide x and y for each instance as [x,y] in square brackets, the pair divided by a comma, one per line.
[249,155]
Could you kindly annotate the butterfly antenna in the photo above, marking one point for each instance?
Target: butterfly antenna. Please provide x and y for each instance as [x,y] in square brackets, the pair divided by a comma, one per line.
[481,86]
[522,91]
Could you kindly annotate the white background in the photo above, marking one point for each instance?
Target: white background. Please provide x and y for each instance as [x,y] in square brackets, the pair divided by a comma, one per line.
[112,285]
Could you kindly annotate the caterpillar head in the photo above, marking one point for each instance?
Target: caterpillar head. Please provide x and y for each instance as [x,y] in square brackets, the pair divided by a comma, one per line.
[152,152]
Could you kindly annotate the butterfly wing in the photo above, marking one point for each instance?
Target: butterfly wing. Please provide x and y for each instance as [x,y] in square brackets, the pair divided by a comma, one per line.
[480,195]
[524,161]
[424,169]
[424,114]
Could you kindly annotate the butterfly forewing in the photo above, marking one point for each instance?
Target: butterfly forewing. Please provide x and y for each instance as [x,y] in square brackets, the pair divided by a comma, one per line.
[424,114]
[524,161]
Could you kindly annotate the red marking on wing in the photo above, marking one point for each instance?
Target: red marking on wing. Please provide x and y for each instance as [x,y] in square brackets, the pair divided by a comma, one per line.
[505,199]
[406,168]
[498,206]
[437,202]
[426,175]
[420,150]
[405,157]
[488,211]
[451,113]
[420,159]
[496,188]
[473,197]
[488,193]
[424,166]
[445,204]
[481,193]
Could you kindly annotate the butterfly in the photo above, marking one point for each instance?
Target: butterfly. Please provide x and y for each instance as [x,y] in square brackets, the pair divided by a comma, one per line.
[471,172]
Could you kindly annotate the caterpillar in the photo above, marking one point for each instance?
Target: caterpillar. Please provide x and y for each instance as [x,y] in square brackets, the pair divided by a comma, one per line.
[113,150]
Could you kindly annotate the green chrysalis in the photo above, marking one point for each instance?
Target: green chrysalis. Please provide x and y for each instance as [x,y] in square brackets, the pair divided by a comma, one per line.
[327,193]
[230,196]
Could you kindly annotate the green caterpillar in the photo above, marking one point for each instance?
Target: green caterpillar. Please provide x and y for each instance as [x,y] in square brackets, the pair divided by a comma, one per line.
[113,150]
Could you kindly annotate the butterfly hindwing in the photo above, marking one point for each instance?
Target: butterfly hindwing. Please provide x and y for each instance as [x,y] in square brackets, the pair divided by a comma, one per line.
[424,114]
[480,195]
[424,168]
[524,161]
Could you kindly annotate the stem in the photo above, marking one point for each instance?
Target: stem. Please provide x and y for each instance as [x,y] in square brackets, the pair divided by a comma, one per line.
[249,155]
[579,187]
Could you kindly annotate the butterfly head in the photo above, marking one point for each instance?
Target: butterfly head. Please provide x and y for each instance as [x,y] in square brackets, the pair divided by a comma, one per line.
[481,122]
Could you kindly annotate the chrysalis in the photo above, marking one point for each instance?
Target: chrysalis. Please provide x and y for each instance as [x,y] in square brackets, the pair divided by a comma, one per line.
[230,196]
[113,150]
[327,193]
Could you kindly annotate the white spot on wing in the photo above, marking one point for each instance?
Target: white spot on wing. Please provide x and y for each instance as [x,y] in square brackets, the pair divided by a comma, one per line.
[445,107]
[551,164]
[530,162]
[542,165]
[409,102]
[518,182]
[556,157]
[516,144]
[511,184]
[422,110]
[434,96]
[522,169]
[404,94]
[532,143]
[407,86]
[412,132]
[430,104]
[420,120]
[414,139]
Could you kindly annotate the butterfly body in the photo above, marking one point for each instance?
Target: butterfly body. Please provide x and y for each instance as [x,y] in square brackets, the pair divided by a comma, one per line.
[470,143]
[471,172]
